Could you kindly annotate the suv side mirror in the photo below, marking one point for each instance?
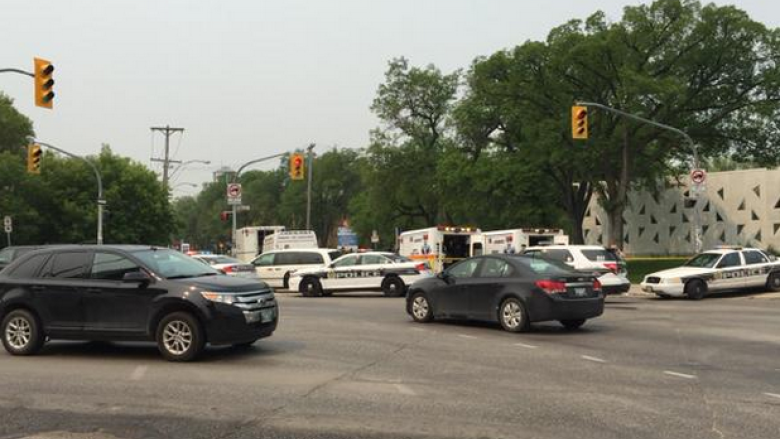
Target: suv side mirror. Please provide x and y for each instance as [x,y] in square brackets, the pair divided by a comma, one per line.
[139,277]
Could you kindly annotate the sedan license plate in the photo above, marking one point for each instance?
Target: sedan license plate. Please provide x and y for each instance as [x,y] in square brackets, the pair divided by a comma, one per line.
[580,292]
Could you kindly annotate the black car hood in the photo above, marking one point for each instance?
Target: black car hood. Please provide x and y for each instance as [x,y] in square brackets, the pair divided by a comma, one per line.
[225,283]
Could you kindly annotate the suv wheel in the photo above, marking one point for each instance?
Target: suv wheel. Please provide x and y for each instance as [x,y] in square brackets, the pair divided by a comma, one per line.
[22,335]
[773,282]
[393,286]
[180,337]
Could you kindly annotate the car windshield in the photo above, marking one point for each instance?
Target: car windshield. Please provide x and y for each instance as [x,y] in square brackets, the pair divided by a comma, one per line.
[703,260]
[546,267]
[173,265]
[397,258]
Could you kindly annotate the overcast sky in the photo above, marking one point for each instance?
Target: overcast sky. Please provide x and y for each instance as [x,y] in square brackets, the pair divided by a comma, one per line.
[249,78]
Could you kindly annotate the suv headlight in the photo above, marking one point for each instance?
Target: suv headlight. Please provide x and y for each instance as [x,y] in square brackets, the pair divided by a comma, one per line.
[225,298]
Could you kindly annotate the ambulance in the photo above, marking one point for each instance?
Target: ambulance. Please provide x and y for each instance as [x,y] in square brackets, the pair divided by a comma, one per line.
[440,246]
[514,241]
[250,241]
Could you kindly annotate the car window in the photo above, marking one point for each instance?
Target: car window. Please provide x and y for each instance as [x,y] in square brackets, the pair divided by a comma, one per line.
[346,261]
[558,254]
[173,265]
[310,258]
[599,255]
[703,260]
[264,260]
[495,268]
[754,257]
[464,269]
[28,269]
[373,260]
[109,266]
[397,258]
[730,260]
[68,265]
[6,255]
[546,267]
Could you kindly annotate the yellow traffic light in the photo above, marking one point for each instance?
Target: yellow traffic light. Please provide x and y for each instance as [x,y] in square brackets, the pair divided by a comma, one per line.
[34,157]
[44,83]
[579,122]
[296,166]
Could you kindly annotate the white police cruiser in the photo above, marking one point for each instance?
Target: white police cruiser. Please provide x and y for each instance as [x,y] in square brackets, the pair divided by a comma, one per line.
[723,269]
[387,272]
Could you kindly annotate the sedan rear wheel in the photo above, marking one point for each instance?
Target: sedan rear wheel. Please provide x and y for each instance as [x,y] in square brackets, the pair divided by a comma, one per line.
[773,282]
[393,286]
[22,335]
[512,316]
[310,287]
[421,308]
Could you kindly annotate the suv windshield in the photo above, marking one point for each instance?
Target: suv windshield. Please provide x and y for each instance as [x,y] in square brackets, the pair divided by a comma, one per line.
[173,265]
[703,260]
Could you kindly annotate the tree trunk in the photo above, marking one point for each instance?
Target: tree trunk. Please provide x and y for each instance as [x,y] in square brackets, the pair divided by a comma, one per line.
[617,193]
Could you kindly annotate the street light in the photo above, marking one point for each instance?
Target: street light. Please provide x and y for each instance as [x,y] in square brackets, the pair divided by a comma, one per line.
[188,162]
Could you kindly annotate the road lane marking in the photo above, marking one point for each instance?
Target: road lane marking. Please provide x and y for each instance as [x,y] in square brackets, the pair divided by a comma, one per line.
[139,373]
[680,375]
[594,359]
[527,346]
[469,337]
[405,390]
[772,395]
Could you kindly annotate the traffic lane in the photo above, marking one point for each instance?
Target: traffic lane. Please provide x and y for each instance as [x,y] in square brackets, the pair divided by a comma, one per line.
[385,370]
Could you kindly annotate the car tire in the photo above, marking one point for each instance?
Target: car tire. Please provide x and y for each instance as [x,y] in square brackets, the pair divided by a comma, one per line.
[773,282]
[695,289]
[572,324]
[310,287]
[180,337]
[393,286]
[22,333]
[421,308]
[513,316]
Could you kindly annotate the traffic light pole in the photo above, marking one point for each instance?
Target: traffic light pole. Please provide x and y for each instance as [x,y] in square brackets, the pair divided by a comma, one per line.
[694,150]
[100,201]
[234,208]
[308,187]
[21,72]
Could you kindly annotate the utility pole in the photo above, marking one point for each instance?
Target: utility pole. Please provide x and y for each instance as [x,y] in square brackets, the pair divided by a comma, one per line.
[166,160]
[308,186]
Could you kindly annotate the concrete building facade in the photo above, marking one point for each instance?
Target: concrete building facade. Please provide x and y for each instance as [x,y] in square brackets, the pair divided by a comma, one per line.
[735,208]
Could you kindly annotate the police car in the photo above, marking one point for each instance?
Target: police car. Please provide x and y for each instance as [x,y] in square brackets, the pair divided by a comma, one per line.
[723,269]
[387,272]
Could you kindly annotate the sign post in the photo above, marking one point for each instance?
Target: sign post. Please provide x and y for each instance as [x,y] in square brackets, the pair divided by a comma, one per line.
[374,238]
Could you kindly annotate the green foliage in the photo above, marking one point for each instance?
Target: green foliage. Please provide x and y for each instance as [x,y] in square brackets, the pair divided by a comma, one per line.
[638,268]
[14,127]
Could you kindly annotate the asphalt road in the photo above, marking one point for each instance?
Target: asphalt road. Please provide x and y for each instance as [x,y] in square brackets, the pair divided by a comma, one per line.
[357,366]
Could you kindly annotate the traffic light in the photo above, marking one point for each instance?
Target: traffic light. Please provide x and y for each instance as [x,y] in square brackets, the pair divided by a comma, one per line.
[296,166]
[579,122]
[34,156]
[44,83]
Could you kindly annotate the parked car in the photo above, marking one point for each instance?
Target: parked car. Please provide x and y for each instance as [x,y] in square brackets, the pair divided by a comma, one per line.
[228,265]
[610,268]
[9,254]
[724,269]
[274,267]
[513,290]
[387,272]
[131,293]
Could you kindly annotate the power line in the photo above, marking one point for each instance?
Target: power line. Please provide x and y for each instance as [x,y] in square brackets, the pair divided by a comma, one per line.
[166,160]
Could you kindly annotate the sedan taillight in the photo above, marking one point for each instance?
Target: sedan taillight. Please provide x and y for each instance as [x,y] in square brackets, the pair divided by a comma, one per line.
[551,286]
[228,269]
[596,286]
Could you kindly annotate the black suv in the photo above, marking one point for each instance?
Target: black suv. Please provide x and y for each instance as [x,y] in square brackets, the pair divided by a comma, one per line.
[129,293]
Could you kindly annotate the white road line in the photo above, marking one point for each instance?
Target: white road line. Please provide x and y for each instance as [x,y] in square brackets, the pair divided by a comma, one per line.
[470,337]
[405,390]
[527,346]
[772,395]
[594,359]
[680,375]
[139,373]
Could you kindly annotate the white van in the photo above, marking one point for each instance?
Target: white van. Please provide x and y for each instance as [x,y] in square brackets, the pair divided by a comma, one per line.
[275,266]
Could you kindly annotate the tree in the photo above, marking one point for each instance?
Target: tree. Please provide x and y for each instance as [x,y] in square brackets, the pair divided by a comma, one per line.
[15,128]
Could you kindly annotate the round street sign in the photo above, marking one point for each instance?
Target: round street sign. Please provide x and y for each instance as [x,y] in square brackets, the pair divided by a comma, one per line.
[234,190]
[698,176]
